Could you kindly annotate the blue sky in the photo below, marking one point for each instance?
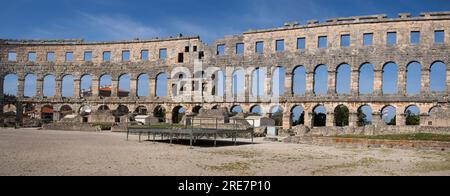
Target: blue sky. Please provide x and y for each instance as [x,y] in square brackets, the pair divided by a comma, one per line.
[99,20]
[103,20]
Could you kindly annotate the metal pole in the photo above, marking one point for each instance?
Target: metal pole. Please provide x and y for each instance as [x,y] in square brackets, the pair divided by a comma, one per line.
[215,139]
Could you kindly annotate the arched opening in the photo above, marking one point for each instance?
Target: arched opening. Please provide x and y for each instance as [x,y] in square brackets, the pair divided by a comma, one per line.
[49,86]
[103,108]
[278,81]
[65,110]
[237,109]
[86,86]
[238,83]
[216,107]
[343,75]
[258,81]
[438,77]
[161,85]
[389,115]
[105,89]
[160,113]
[412,115]
[196,109]
[124,86]
[256,110]
[178,85]
[141,110]
[321,80]
[121,111]
[390,79]
[299,81]
[276,114]
[341,116]
[29,111]
[9,110]
[364,116]
[219,84]
[10,85]
[319,117]
[85,111]
[197,84]
[67,86]
[178,114]
[30,88]
[143,85]
[47,114]
[413,78]
[297,116]
[366,79]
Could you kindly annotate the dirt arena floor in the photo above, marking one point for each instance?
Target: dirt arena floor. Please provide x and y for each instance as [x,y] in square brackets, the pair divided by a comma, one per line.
[32,152]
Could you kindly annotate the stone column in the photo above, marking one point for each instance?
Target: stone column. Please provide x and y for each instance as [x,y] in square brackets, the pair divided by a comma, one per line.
[133,87]
[76,87]
[401,118]
[353,119]
[354,82]
[21,87]
[310,83]
[308,119]
[114,87]
[2,80]
[39,87]
[268,84]
[56,116]
[169,87]
[152,87]
[448,73]
[95,86]
[402,73]
[425,83]
[19,114]
[58,90]
[248,87]
[286,120]
[332,82]
[378,82]
[288,92]
[330,119]
[228,94]
[376,119]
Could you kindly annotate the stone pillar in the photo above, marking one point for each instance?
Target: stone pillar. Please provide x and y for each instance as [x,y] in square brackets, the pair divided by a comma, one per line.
[133,87]
[424,120]
[56,116]
[169,88]
[332,82]
[402,73]
[228,94]
[310,83]
[21,87]
[19,114]
[308,119]
[95,86]
[248,87]
[168,116]
[114,87]
[425,83]
[448,74]
[354,82]
[376,119]
[353,119]
[286,120]
[378,82]
[2,80]
[288,92]
[268,85]
[330,119]
[76,88]
[152,87]
[401,118]
[58,86]
[39,87]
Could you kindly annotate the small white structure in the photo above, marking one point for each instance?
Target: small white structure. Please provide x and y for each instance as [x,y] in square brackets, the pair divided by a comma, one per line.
[254,120]
[143,119]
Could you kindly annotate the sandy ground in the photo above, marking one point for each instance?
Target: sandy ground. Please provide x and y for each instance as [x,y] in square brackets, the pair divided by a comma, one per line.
[33,152]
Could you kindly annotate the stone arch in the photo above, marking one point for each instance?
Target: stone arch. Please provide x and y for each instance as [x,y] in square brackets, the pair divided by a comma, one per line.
[143,81]
[276,114]
[11,85]
[47,114]
[256,109]
[319,117]
[105,87]
[389,115]
[141,110]
[86,85]
[236,109]
[161,85]
[103,108]
[9,109]
[343,79]
[412,115]
[160,113]
[49,86]
[413,78]
[297,116]
[67,87]
[278,81]
[65,110]
[238,84]
[321,79]
[30,85]
[438,77]
[124,87]
[366,79]
[364,115]
[178,113]
[299,80]
[197,109]
[435,109]
[341,116]
[390,78]
[258,81]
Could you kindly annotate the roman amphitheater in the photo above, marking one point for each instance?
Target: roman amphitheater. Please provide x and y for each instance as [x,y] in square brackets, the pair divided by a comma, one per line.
[242,73]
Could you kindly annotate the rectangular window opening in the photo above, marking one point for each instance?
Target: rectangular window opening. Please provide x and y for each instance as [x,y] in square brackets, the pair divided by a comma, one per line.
[439,37]
[392,38]
[195,49]
[88,56]
[368,39]
[259,47]
[144,55]
[69,56]
[12,56]
[106,56]
[201,54]
[301,43]
[163,54]
[51,57]
[32,57]
[279,45]
[323,42]
[415,37]
[345,41]
[240,49]
[126,55]
[221,49]
[180,57]
[186,49]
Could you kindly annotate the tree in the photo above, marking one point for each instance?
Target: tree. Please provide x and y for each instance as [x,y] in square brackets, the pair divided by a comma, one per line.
[341,116]
[320,119]
[160,114]
[412,119]
[300,120]
[393,121]
[362,119]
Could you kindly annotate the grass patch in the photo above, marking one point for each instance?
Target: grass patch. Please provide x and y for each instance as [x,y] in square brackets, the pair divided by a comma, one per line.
[239,153]
[230,167]
[413,137]
[364,162]
[159,126]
